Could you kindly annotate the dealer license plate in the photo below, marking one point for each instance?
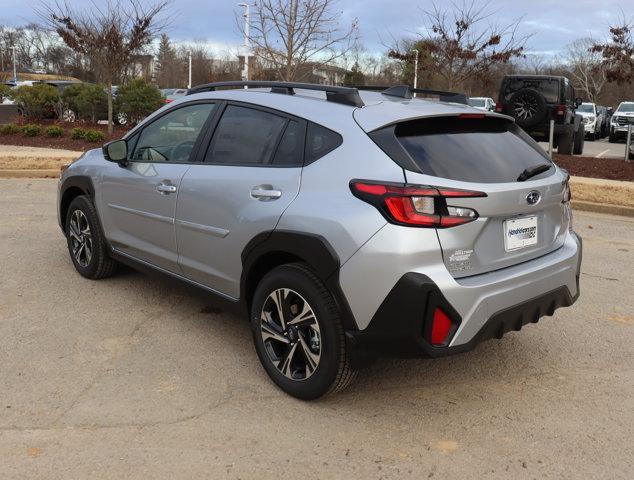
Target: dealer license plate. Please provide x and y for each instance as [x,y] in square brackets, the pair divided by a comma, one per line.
[520,233]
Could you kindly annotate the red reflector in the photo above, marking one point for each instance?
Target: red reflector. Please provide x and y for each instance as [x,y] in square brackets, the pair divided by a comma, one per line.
[440,327]
[472,115]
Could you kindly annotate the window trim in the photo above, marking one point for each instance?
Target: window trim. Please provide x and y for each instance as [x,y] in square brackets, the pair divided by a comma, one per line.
[202,153]
[193,156]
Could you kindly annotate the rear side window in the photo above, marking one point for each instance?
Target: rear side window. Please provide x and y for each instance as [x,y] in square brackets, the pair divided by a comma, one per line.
[245,136]
[470,150]
[290,151]
[320,141]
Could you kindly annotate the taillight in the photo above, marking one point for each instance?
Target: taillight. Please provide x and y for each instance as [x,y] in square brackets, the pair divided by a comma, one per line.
[416,205]
[499,107]
[561,110]
[168,100]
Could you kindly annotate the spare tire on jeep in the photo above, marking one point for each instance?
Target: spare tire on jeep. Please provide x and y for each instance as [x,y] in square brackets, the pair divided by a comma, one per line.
[528,107]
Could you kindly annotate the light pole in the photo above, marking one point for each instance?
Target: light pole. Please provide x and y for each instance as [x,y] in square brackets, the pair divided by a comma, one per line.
[415,70]
[247,46]
[189,81]
[15,70]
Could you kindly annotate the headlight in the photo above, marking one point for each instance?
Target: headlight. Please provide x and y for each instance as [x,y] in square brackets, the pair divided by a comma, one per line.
[613,120]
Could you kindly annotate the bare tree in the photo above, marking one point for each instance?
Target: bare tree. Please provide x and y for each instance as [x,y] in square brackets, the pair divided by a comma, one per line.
[618,54]
[586,68]
[288,34]
[109,35]
[460,44]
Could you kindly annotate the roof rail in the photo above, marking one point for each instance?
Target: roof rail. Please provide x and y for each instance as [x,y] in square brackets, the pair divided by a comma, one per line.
[343,95]
[405,91]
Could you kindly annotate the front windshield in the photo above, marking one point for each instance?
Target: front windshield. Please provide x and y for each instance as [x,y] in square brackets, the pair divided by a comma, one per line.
[585,108]
[476,102]
[626,107]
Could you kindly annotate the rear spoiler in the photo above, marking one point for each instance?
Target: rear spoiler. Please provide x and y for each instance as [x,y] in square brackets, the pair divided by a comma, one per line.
[405,91]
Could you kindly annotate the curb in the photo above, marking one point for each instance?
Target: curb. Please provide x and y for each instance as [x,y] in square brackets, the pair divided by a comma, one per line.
[33,173]
[621,210]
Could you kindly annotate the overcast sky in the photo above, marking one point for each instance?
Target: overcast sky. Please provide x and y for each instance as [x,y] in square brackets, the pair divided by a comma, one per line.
[553,23]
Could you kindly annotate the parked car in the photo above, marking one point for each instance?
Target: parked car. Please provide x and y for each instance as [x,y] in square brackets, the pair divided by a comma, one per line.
[482,103]
[357,225]
[622,117]
[592,119]
[175,94]
[534,100]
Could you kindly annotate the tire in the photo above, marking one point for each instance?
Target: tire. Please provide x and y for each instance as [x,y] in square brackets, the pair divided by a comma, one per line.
[299,290]
[592,137]
[579,141]
[565,142]
[94,263]
[528,107]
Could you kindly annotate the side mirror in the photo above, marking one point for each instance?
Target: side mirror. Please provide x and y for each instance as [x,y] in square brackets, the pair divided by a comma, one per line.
[578,101]
[116,151]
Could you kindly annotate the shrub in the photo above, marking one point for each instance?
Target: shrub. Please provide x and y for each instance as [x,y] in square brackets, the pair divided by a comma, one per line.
[30,130]
[37,101]
[5,92]
[94,136]
[87,100]
[138,99]
[9,128]
[54,131]
[78,133]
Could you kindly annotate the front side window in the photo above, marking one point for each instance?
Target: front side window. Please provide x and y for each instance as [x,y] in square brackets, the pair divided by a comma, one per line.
[171,138]
[245,136]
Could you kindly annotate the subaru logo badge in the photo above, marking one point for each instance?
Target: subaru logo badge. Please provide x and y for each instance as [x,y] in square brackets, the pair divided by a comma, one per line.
[533,197]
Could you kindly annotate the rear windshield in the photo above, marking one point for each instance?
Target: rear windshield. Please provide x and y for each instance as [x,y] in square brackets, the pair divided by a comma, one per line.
[476,102]
[470,150]
[549,88]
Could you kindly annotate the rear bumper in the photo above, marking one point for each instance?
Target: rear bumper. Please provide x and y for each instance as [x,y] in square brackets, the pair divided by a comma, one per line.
[499,302]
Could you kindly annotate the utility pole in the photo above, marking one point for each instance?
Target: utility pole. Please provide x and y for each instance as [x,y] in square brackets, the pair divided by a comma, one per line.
[189,81]
[415,69]
[247,46]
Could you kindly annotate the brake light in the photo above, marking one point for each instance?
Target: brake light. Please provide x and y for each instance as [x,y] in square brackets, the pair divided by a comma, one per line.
[561,110]
[440,327]
[416,205]
[168,100]
[472,115]
[499,107]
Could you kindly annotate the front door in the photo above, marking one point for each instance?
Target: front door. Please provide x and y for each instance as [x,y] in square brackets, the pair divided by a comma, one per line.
[250,174]
[138,201]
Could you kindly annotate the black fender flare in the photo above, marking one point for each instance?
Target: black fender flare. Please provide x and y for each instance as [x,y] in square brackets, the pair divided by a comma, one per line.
[72,184]
[312,249]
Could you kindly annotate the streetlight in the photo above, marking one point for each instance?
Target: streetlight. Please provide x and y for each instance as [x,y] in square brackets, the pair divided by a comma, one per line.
[415,70]
[189,81]
[247,47]
[15,70]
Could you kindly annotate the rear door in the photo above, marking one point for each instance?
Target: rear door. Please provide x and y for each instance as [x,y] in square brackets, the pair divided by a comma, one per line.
[250,173]
[139,200]
[519,218]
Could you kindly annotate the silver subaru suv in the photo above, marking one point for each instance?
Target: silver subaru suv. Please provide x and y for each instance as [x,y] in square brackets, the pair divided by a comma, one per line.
[348,223]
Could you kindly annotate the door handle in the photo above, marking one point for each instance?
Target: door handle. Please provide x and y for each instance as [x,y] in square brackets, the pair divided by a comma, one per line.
[165,189]
[265,193]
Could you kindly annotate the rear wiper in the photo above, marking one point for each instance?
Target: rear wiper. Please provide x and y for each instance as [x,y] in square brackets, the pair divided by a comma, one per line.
[532,171]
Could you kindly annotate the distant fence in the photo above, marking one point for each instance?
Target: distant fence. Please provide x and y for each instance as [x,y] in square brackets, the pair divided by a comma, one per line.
[8,113]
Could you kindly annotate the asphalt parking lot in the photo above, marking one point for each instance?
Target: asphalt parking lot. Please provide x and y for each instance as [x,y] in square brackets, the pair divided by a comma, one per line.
[599,149]
[136,377]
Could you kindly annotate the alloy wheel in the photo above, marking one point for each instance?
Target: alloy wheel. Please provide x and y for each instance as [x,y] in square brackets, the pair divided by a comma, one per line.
[80,238]
[525,107]
[291,335]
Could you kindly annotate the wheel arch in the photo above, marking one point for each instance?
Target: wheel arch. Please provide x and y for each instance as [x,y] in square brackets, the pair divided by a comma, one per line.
[71,188]
[274,248]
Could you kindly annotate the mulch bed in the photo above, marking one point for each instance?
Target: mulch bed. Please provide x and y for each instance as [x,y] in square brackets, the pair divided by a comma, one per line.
[608,168]
[63,142]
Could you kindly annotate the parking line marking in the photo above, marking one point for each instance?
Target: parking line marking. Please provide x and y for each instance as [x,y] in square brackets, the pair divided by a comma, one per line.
[602,153]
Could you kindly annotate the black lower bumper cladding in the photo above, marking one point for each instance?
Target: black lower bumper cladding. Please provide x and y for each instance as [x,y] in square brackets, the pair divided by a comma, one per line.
[399,325]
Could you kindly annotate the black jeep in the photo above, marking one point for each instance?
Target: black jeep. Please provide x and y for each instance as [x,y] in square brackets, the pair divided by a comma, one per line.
[535,100]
